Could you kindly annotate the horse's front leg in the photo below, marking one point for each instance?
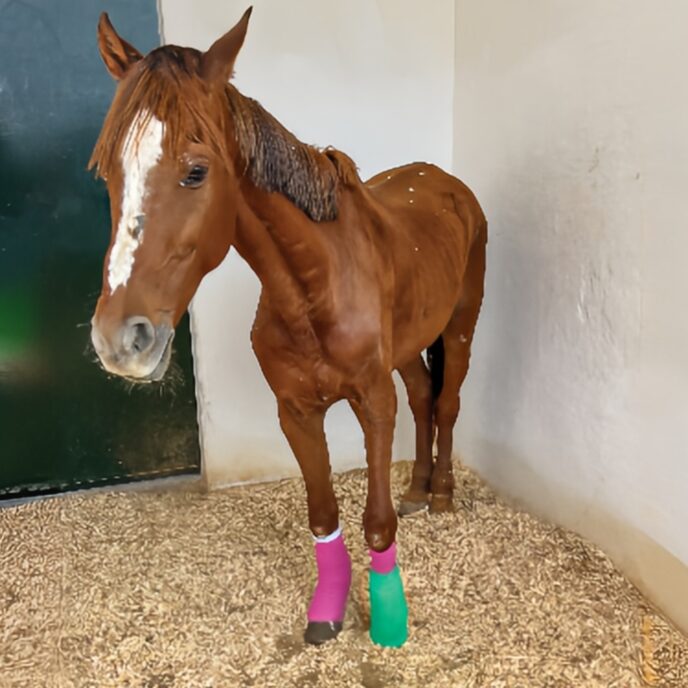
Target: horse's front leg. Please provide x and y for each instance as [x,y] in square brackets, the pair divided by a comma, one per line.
[376,411]
[306,435]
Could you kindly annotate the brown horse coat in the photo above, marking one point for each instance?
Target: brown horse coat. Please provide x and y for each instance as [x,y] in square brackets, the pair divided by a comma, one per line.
[358,278]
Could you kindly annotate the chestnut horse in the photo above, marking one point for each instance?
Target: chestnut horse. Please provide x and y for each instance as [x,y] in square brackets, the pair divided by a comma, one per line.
[358,280]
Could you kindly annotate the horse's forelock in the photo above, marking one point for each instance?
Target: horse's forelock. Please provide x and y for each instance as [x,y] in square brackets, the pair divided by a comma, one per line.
[166,85]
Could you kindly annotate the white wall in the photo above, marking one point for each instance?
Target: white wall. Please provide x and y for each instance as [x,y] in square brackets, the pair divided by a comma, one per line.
[571,125]
[569,121]
[372,78]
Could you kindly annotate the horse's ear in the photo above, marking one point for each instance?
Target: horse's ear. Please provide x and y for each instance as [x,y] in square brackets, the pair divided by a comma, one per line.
[117,54]
[217,63]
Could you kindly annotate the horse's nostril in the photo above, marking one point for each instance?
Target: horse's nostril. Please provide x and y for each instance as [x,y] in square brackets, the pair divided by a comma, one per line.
[139,336]
[142,338]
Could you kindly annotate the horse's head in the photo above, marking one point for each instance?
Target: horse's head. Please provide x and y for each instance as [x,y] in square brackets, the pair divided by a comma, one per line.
[163,152]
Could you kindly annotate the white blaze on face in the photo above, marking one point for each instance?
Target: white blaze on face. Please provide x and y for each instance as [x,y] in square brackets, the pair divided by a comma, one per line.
[141,152]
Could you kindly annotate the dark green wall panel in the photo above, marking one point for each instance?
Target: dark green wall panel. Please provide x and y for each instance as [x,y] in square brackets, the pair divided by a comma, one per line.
[63,424]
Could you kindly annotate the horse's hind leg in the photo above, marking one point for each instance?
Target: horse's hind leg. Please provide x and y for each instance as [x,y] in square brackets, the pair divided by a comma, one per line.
[457,338]
[418,384]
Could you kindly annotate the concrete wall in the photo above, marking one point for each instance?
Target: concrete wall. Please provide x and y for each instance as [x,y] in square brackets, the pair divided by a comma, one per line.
[374,79]
[570,124]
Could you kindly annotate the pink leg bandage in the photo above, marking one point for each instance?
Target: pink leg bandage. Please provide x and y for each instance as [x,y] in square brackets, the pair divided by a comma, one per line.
[384,562]
[334,578]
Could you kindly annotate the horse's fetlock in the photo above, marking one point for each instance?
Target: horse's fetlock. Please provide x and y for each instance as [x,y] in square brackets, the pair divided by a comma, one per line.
[380,534]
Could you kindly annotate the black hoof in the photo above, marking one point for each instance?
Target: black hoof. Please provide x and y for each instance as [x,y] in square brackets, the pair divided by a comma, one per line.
[319,632]
[407,508]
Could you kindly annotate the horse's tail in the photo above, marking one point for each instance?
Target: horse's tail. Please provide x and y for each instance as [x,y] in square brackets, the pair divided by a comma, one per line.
[436,365]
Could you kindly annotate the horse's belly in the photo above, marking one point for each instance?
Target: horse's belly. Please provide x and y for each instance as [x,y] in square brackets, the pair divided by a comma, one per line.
[428,280]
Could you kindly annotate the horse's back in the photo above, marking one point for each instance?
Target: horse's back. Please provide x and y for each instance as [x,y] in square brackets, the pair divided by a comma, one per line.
[426,187]
[425,207]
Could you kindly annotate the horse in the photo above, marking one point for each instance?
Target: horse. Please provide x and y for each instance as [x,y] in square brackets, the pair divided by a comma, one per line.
[359,279]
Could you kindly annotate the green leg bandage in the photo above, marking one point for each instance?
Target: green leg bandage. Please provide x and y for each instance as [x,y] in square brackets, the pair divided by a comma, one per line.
[388,609]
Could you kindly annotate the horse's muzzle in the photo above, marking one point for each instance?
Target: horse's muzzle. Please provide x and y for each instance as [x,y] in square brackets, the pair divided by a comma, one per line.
[137,350]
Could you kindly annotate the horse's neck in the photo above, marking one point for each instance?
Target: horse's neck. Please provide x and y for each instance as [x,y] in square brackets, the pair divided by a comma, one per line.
[288,188]
[292,267]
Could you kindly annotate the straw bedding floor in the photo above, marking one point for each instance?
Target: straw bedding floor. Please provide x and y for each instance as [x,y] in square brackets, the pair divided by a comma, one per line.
[189,589]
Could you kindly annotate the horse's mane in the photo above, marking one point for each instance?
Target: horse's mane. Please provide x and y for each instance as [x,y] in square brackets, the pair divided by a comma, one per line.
[166,84]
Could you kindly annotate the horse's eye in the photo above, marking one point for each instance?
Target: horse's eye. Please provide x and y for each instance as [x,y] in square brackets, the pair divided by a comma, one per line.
[195,177]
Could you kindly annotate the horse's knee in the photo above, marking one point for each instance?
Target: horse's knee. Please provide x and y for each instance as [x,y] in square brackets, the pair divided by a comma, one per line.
[293,412]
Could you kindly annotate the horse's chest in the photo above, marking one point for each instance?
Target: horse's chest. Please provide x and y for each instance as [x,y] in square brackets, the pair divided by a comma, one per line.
[304,379]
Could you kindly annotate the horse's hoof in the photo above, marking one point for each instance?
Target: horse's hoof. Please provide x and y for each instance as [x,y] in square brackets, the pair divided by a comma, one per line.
[407,507]
[319,632]
[441,504]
